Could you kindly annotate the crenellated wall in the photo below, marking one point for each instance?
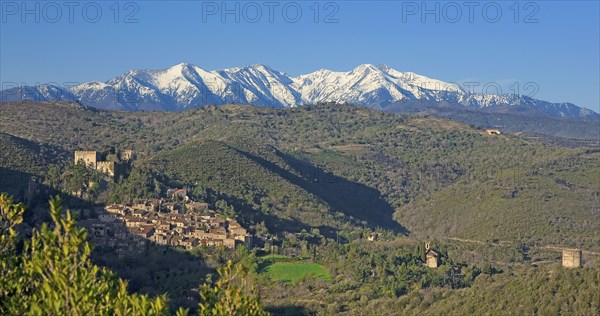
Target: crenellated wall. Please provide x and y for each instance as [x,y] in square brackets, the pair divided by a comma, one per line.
[106,167]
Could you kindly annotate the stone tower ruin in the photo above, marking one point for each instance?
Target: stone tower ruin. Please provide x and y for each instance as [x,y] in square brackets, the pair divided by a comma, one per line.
[571,258]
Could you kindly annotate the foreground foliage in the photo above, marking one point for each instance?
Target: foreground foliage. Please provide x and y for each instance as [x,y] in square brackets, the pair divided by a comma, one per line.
[53,274]
[228,297]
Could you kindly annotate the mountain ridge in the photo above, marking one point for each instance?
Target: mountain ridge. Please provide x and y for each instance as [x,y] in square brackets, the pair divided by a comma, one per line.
[184,86]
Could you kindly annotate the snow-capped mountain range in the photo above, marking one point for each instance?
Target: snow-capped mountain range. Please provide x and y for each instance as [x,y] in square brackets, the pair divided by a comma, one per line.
[186,86]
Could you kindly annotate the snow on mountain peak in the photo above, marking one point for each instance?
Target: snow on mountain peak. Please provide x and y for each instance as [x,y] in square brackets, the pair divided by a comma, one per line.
[187,86]
[365,67]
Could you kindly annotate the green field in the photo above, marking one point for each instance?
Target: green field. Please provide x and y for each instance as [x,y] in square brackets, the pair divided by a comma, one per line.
[274,257]
[291,272]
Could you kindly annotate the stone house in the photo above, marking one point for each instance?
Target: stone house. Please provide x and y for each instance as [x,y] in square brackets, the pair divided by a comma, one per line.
[229,243]
[163,228]
[189,243]
[179,222]
[172,207]
[216,222]
[176,240]
[217,233]
[139,213]
[180,230]
[199,233]
[134,221]
[116,209]
[211,242]
[247,238]
[432,257]
[235,228]
[162,239]
[145,231]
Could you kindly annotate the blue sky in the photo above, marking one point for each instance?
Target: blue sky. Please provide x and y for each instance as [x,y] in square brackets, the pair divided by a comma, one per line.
[550,50]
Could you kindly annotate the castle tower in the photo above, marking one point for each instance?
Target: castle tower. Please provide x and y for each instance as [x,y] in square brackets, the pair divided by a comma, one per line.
[571,258]
[89,158]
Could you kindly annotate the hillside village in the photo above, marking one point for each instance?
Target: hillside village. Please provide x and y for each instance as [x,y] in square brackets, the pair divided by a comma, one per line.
[129,228]
[177,221]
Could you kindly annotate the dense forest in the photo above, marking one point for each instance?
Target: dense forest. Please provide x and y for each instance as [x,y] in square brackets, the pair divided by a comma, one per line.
[313,183]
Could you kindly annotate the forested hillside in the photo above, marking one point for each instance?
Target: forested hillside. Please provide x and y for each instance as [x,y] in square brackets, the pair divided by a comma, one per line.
[546,291]
[20,159]
[316,181]
[326,165]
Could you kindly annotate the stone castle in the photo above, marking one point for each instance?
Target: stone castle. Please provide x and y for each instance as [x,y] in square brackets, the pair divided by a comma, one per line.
[94,160]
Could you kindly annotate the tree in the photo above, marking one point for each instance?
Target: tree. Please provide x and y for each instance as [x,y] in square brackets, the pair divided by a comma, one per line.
[53,177]
[10,216]
[490,270]
[54,274]
[261,229]
[229,296]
